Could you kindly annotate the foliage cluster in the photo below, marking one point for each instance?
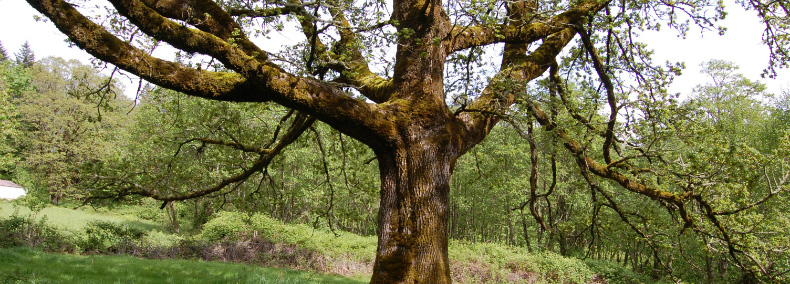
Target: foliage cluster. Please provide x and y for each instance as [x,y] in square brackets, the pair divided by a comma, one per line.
[59,117]
[105,236]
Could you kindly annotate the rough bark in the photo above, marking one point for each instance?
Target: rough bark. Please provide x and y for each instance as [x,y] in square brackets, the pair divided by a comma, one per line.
[413,213]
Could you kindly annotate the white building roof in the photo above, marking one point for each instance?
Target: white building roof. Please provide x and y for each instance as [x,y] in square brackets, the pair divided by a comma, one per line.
[10,190]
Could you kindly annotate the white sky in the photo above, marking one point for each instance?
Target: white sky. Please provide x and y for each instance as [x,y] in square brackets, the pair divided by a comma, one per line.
[18,25]
[741,44]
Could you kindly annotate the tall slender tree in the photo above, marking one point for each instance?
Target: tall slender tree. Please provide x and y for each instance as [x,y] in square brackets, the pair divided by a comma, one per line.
[379,74]
[25,56]
[3,53]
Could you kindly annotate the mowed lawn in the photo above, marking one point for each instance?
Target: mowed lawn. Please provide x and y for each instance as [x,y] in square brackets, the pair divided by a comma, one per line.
[27,265]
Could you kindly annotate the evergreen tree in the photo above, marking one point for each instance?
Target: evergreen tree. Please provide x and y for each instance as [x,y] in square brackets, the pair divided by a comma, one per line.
[3,54]
[25,56]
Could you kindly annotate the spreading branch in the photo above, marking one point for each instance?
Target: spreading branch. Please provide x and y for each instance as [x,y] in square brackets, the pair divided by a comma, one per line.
[461,38]
[300,123]
[252,82]
[500,94]
[610,97]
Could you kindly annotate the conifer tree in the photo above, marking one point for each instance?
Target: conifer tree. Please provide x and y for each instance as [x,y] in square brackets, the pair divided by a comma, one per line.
[25,56]
[3,54]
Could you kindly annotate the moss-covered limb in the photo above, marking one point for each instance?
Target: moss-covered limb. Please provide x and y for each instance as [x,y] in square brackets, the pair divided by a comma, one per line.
[355,70]
[208,17]
[603,171]
[105,46]
[461,38]
[184,38]
[725,236]
[309,29]
[610,97]
[263,82]
[286,9]
[497,96]
[344,58]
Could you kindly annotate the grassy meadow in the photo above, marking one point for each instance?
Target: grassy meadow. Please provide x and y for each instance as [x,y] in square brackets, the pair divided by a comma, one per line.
[28,265]
[132,245]
[74,220]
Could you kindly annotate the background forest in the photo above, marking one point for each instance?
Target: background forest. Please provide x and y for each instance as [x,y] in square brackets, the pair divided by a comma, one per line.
[71,138]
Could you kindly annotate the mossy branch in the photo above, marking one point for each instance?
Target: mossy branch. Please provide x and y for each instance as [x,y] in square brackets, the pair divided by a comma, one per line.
[461,38]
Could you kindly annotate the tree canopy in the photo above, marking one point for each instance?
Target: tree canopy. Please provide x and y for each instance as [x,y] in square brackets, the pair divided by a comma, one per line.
[414,81]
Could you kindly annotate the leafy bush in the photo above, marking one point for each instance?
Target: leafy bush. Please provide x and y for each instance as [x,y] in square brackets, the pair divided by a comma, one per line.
[617,274]
[226,226]
[103,236]
[230,226]
[25,231]
[497,263]
[162,239]
[10,230]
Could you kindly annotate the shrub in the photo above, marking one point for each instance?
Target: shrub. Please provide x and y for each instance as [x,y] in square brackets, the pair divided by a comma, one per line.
[618,274]
[103,236]
[497,263]
[11,230]
[226,226]
[18,231]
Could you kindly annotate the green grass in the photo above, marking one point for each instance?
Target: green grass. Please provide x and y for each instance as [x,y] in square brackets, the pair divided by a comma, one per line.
[76,220]
[494,262]
[26,265]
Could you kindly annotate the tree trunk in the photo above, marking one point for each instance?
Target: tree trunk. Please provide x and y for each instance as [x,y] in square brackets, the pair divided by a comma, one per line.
[524,228]
[55,197]
[172,216]
[413,214]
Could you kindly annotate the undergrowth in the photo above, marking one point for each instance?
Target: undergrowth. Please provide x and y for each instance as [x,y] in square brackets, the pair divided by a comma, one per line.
[261,240]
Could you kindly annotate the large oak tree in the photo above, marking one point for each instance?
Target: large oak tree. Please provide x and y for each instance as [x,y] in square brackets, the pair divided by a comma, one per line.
[401,107]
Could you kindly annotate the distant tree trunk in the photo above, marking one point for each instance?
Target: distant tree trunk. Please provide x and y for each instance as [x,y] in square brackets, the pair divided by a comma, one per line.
[524,228]
[172,216]
[55,197]
[627,254]
[454,221]
[511,235]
